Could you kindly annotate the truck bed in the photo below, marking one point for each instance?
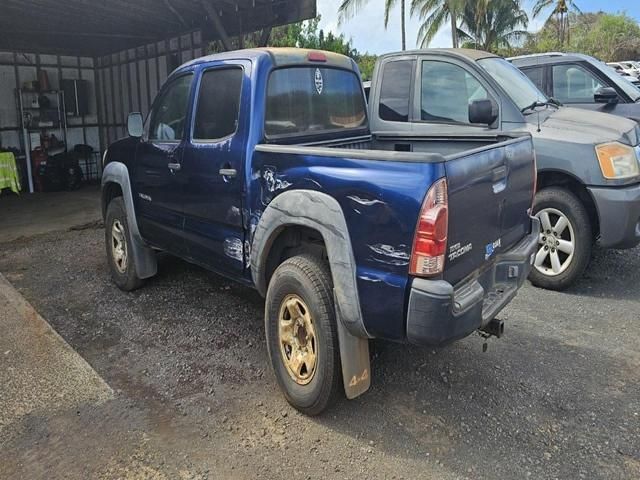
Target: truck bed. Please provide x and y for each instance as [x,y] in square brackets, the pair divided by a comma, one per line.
[448,146]
[381,190]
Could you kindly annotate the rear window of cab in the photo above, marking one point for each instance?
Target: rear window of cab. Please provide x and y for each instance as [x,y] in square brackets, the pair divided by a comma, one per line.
[304,101]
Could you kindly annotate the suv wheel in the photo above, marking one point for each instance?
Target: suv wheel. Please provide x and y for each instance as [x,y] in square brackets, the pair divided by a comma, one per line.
[301,332]
[118,243]
[564,245]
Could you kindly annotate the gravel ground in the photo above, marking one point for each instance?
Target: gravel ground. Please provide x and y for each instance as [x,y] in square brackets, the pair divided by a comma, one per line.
[557,397]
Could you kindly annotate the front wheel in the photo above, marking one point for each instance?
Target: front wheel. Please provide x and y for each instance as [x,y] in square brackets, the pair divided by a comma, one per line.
[565,241]
[119,249]
[301,332]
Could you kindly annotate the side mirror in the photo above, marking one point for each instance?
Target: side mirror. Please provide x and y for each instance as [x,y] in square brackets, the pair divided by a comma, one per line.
[135,125]
[483,111]
[606,95]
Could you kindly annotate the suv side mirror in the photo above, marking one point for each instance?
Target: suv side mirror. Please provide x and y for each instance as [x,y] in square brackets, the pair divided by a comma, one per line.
[606,95]
[135,125]
[483,111]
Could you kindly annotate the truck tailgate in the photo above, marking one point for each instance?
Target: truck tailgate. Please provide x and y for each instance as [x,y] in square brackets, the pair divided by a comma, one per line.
[490,191]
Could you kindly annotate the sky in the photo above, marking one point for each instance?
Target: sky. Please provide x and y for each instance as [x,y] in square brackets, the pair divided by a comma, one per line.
[368,34]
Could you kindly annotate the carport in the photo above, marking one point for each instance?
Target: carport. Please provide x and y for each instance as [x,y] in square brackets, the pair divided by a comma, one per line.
[71,71]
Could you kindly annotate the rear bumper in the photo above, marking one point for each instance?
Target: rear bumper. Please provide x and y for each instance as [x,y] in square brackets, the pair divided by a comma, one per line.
[440,313]
[619,216]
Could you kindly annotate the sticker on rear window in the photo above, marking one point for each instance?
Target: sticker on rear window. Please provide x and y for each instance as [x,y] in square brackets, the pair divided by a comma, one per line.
[319,81]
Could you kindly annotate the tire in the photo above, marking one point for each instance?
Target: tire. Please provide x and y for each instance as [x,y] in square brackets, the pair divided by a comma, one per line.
[122,267]
[302,284]
[556,202]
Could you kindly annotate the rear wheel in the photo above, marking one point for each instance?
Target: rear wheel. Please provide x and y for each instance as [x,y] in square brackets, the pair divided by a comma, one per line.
[301,332]
[118,243]
[565,241]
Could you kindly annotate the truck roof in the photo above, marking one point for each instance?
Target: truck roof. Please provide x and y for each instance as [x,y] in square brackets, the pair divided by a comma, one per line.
[279,57]
[467,53]
[546,58]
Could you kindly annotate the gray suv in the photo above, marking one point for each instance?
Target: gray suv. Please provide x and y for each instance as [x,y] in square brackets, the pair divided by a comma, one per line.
[582,81]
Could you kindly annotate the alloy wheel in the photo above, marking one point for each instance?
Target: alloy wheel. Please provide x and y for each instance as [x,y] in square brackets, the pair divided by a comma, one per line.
[119,246]
[557,242]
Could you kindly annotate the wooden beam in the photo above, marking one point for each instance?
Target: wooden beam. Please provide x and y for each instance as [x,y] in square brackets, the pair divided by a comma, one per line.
[176,13]
[264,37]
[217,24]
[77,34]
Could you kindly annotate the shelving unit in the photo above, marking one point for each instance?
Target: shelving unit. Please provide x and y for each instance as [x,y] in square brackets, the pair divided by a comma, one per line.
[56,124]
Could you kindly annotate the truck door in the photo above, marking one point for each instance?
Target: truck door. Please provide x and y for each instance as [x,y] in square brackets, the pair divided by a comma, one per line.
[213,169]
[575,86]
[157,180]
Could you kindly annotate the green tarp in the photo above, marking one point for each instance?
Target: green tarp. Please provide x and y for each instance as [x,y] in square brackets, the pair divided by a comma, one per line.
[9,172]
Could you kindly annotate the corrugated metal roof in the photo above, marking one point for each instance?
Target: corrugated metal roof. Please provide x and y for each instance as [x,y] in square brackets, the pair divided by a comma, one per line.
[98,27]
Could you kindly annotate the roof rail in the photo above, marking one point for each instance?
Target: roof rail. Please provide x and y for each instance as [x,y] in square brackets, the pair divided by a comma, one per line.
[546,54]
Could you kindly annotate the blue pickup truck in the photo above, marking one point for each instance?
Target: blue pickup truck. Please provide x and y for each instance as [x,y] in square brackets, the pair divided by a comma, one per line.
[259,165]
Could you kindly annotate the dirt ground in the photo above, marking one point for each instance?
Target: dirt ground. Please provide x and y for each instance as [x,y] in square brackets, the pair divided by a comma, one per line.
[557,398]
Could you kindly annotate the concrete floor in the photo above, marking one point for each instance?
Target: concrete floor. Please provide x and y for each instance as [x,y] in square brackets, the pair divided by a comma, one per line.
[41,374]
[557,398]
[27,214]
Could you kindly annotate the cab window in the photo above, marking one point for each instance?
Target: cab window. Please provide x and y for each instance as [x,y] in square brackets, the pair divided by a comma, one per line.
[313,101]
[574,84]
[395,91]
[218,104]
[447,90]
[170,111]
[536,75]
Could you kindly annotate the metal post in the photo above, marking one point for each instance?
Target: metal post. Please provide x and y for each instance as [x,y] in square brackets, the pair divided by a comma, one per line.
[27,141]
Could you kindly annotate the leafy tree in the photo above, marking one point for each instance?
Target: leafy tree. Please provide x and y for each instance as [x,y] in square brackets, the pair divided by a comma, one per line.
[366,62]
[350,8]
[561,10]
[497,24]
[435,14]
[608,37]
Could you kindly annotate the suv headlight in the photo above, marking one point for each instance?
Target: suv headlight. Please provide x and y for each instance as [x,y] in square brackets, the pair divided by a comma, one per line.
[617,161]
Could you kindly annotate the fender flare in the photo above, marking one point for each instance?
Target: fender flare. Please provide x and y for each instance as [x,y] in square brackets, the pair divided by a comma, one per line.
[320,212]
[144,257]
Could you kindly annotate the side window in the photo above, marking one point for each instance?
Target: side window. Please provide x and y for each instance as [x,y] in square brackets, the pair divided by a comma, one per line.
[574,84]
[446,92]
[536,75]
[396,91]
[218,104]
[170,111]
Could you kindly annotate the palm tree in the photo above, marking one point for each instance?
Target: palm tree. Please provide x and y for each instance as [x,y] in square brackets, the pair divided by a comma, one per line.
[496,25]
[435,13]
[349,8]
[561,12]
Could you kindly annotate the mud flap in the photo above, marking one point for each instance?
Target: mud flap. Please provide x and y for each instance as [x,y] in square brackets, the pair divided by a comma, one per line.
[144,257]
[354,356]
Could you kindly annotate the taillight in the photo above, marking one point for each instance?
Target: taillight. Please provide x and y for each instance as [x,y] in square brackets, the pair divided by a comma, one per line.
[430,241]
[316,57]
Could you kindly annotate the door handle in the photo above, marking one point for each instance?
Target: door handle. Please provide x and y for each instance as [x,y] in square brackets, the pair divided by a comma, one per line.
[228,172]
[174,167]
